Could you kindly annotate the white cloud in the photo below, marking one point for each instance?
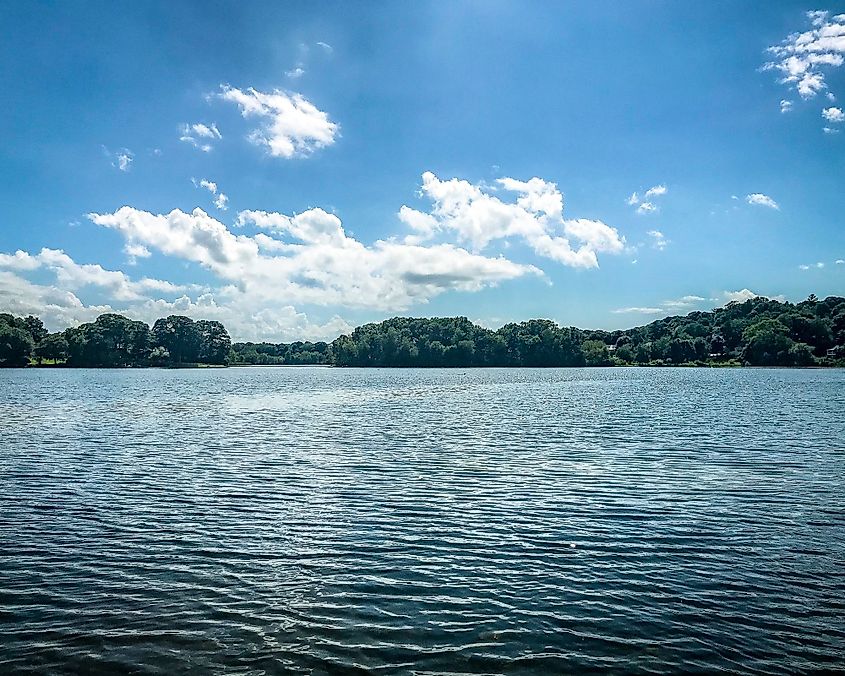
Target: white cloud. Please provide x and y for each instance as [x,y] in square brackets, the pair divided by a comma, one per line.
[639,310]
[221,201]
[277,262]
[684,302]
[658,239]
[761,200]
[739,296]
[60,308]
[746,294]
[480,218]
[834,115]
[200,135]
[840,261]
[121,159]
[830,130]
[644,206]
[124,160]
[818,266]
[136,251]
[322,265]
[801,57]
[74,276]
[326,47]
[295,73]
[785,105]
[291,126]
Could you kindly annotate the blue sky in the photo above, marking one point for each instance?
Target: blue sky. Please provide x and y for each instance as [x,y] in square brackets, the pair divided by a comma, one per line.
[412,159]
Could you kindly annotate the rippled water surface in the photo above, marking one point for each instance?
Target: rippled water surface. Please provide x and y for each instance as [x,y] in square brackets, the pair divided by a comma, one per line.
[314,520]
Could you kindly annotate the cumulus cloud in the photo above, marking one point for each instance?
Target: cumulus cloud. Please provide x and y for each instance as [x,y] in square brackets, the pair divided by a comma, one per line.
[221,201]
[60,308]
[311,260]
[818,266]
[785,105]
[135,251]
[295,73]
[746,294]
[834,115]
[200,135]
[74,276]
[269,263]
[656,191]
[801,58]
[290,125]
[478,218]
[762,200]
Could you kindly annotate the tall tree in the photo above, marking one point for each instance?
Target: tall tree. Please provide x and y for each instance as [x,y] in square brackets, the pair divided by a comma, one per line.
[179,336]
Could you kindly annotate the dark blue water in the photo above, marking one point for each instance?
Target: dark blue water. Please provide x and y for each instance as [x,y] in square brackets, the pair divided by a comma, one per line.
[313,520]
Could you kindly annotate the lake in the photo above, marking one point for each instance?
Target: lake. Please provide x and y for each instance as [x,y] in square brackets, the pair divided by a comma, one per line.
[314,520]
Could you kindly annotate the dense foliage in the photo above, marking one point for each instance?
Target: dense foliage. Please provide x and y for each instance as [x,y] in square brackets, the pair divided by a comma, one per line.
[281,353]
[114,341]
[757,332]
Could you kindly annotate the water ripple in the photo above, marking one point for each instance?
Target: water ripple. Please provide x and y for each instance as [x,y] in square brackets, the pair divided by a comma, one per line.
[312,520]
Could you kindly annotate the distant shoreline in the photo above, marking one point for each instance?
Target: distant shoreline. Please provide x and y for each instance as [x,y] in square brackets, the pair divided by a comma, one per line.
[201,367]
[756,332]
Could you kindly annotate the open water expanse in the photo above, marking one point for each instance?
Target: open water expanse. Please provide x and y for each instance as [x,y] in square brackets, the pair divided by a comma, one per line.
[316,520]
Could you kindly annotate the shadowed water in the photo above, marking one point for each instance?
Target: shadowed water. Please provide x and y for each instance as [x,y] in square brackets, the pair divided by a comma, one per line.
[321,520]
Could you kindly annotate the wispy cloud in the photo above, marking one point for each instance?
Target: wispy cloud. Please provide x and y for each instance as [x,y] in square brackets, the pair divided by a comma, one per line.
[639,310]
[684,303]
[221,201]
[120,159]
[658,239]
[200,135]
[645,204]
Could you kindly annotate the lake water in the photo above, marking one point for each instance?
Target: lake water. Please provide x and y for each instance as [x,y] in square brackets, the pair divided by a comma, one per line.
[314,520]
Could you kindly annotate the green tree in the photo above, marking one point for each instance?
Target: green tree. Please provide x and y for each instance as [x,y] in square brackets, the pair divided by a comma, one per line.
[15,346]
[214,342]
[53,347]
[767,344]
[110,341]
[595,353]
[36,329]
[179,336]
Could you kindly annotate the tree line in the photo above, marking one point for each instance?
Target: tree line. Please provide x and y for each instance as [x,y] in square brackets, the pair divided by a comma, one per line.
[756,332]
[114,341]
